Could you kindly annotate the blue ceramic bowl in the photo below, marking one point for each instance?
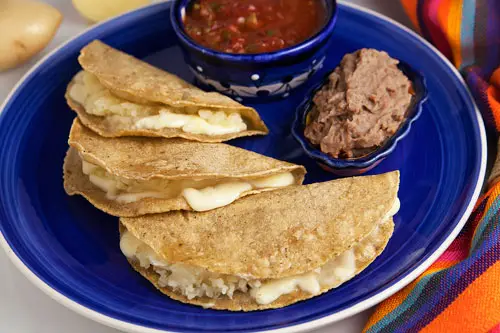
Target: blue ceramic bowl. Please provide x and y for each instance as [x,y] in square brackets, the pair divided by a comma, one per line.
[360,165]
[255,77]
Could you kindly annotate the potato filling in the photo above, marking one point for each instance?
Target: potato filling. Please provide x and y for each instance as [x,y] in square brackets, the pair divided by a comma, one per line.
[97,100]
[201,195]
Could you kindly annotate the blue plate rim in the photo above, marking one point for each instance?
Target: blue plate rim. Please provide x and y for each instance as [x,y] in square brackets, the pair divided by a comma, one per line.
[311,325]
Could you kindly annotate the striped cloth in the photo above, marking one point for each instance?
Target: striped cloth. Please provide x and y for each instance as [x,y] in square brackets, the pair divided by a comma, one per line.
[460,292]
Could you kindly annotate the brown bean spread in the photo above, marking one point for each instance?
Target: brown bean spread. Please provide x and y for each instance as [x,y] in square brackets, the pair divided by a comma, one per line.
[362,105]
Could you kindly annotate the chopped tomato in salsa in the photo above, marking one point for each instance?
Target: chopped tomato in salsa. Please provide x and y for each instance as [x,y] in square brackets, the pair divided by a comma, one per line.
[253,26]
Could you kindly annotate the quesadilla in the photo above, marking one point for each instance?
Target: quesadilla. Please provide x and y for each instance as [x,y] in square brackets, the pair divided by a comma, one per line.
[134,176]
[119,95]
[267,250]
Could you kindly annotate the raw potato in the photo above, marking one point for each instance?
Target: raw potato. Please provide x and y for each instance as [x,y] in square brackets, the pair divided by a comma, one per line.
[98,10]
[26,27]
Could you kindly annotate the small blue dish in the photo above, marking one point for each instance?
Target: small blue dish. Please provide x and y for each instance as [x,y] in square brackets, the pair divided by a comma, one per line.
[360,165]
[255,77]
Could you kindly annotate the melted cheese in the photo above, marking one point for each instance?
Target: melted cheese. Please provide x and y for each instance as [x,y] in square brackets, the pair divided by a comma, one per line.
[88,168]
[133,197]
[271,291]
[212,123]
[107,185]
[97,100]
[333,273]
[200,195]
[394,209]
[214,197]
[340,269]
[278,180]
[132,247]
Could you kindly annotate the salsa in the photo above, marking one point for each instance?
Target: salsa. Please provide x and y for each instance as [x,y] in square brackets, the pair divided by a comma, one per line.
[253,26]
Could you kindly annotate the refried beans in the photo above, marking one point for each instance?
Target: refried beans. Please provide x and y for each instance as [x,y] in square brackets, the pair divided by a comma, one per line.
[362,105]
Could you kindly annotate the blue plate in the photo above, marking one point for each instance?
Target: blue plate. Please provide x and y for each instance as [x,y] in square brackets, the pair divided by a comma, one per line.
[70,249]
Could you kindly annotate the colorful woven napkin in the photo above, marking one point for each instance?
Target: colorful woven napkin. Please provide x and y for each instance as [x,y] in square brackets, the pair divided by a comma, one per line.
[460,292]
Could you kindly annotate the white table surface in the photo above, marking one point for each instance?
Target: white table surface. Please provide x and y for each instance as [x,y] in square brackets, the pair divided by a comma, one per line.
[24,308]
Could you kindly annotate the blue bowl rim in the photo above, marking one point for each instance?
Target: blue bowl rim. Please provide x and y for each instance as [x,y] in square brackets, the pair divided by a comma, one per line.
[378,154]
[283,54]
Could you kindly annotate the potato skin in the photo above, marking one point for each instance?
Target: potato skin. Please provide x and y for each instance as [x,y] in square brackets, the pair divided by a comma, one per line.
[98,10]
[27,28]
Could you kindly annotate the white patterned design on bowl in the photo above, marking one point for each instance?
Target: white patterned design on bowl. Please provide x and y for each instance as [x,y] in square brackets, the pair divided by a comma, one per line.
[274,89]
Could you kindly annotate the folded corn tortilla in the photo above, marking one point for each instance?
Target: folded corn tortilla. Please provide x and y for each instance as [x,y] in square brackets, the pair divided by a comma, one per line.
[118,95]
[268,250]
[135,176]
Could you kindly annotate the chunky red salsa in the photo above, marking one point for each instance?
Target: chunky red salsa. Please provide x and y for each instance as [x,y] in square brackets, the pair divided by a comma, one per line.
[253,26]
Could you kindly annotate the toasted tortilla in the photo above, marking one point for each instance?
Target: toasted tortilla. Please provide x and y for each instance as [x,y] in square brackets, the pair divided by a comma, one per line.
[244,302]
[139,82]
[266,236]
[146,159]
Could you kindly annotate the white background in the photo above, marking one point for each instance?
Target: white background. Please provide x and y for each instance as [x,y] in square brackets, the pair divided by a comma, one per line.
[24,308]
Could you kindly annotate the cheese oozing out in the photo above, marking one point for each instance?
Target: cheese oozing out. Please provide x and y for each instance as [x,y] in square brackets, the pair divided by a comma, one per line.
[192,281]
[97,100]
[201,195]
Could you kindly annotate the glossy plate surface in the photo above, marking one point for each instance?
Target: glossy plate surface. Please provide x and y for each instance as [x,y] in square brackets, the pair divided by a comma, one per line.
[70,250]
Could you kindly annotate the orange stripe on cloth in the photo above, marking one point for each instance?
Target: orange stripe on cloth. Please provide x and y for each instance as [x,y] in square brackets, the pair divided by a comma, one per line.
[410,7]
[495,78]
[450,19]
[493,93]
[486,307]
